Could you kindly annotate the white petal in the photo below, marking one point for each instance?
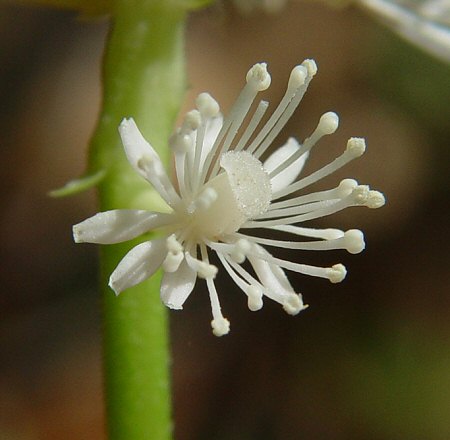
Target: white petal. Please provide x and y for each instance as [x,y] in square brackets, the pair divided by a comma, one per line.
[146,161]
[136,147]
[118,225]
[290,173]
[139,264]
[177,286]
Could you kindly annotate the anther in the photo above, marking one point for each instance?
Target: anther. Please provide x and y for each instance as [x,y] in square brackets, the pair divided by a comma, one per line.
[292,304]
[192,121]
[360,194]
[336,273]
[207,105]
[220,326]
[206,270]
[180,143]
[311,67]
[254,298]
[375,200]
[328,123]
[258,77]
[356,146]
[346,187]
[354,241]
[297,77]
[240,249]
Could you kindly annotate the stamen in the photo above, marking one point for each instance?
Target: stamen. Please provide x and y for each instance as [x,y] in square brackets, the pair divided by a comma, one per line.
[219,324]
[207,105]
[375,200]
[328,124]
[208,108]
[258,79]
[191,122]
[255,295]
[335,273]
[355,148]
[256,119]
[203,268]
[240,249]
[352,241]
[293,304]
[326,234]
[344,189]
[297,85]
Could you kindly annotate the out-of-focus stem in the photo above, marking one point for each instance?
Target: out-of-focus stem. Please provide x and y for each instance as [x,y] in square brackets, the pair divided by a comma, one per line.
[144,79]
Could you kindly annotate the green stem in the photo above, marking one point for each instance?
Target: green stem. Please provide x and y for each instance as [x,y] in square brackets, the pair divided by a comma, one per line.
[143,79]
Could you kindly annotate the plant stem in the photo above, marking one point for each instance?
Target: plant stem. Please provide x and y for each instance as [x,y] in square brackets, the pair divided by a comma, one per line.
[144,79]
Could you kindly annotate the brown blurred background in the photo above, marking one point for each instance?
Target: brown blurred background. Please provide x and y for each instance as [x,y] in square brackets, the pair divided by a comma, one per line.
[369,360]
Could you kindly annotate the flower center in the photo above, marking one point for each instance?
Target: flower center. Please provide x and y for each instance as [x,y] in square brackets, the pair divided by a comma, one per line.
[234,196]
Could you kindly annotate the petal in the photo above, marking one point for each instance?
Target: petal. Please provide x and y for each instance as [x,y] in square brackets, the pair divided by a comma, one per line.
[146,161]
[136,147]
[177,286]
[139,264]
[290,173]
[118,225]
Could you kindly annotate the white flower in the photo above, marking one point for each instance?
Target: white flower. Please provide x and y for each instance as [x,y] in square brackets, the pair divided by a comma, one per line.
[225,198]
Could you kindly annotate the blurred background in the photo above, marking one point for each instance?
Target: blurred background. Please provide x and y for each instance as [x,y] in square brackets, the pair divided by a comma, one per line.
[370,358]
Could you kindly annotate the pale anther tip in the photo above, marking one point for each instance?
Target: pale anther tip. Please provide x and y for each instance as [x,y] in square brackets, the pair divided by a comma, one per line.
[311,66]
[328,123]
[346,186]
[297,77]
[356,146]
[207,105]
[354,240]
[192,120]
[337,273]
[258,77]
[220,326]
[293,304]
[375,199]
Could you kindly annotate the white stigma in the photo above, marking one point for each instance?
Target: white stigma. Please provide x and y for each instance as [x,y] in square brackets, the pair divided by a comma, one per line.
[249,182]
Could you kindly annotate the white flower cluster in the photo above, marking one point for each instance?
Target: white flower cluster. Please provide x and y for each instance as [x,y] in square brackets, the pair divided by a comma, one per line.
[225,198]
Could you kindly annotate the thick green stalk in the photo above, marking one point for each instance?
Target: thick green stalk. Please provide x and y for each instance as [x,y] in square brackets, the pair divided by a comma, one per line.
[143,79]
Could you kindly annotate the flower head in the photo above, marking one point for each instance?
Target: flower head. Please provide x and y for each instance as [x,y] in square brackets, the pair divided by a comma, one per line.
[225,199]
